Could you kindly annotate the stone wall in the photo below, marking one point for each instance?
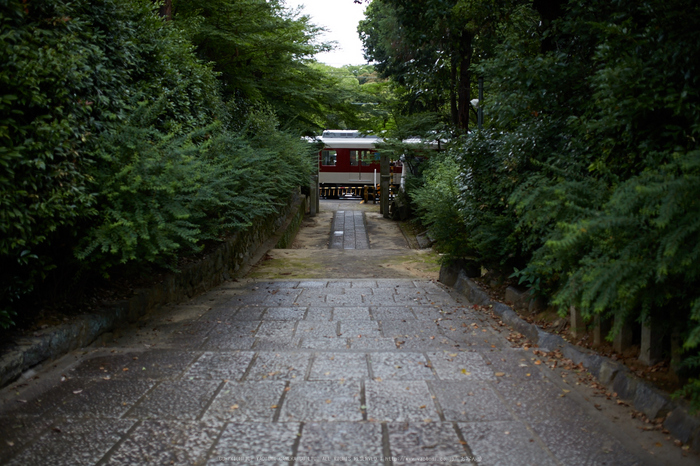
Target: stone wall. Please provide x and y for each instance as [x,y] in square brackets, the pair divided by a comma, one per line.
[230,260]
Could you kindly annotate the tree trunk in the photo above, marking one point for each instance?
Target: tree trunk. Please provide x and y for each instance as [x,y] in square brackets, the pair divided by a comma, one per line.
[464,84]
[166,9]
[453,92]
[549,10]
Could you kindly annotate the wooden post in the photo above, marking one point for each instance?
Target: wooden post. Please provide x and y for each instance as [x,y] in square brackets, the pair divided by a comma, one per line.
[384,177]
[313,202]
[623,338]
[578,327]
[651,350]
[601,330]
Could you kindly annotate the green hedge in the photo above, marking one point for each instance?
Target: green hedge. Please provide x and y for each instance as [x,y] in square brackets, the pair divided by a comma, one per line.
[116,146]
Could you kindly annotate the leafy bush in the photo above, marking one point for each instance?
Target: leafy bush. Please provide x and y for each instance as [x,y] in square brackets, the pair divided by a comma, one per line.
[117,146]
[587,179]
[437,205]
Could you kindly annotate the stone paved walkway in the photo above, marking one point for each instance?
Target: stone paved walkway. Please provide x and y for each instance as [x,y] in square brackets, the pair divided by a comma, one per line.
[349,230]
[357,371]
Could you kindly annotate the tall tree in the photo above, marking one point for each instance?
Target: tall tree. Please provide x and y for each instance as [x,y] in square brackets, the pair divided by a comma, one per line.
[430,47]
[263,53]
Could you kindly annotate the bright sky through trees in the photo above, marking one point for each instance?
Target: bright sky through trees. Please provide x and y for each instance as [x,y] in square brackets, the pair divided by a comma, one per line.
[340,18]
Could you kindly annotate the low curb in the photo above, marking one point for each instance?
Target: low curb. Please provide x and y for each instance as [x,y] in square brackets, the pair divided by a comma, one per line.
[230,260]
[615,376]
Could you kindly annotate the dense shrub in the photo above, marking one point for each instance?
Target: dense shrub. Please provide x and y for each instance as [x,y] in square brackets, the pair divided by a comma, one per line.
[437,204]
[116,146]
[586,181]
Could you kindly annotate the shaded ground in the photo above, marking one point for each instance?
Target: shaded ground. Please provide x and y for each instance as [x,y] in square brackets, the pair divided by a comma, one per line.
[389,255]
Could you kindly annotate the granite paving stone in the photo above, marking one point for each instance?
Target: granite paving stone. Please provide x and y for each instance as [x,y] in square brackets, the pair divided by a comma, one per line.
[514,364]
[255,443]
[276,344]
[303,285]
[182,400]
[351,313]
[245,328]
[387,294]
[319,313]
[538,400]
[222,313]
[430,314]
[228,342]
[400,401]
[190,335]
[578,441]
[505,443]
[74,442]
[42,404]
[357,291]
[285,313]
[317,329]
[360,329]
[276,329]
[344,299]
[400,313]
[339,366]
[425,443]
[371,343]
[254,313]
[279,366]
[400,366]
[407,328]
[283,298]
[232,336]
[460,365]
[100,367]
[350,442]
[158,364]
[220,366]
[167,442]
[323,401]
[431,343]
[104,398]
[364,283]
[327,344]
[470,401]
[246,402]
[16,432]
[326,371]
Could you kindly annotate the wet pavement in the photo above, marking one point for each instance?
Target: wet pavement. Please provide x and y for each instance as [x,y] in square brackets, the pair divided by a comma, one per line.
[343,371]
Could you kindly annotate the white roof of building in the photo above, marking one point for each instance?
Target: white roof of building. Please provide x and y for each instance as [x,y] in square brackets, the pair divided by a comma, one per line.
[353,139]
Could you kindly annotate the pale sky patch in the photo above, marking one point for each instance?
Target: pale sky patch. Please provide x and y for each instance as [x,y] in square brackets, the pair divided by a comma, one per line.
[340,18]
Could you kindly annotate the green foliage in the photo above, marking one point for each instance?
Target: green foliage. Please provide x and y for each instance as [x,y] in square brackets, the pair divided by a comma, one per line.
[263,53]
[438,205]
[587,182]
[586,179]
[429,48]
[117,147]
[46,109]
[163,195]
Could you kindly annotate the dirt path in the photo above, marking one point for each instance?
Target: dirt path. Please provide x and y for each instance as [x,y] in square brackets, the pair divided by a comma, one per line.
[389,255]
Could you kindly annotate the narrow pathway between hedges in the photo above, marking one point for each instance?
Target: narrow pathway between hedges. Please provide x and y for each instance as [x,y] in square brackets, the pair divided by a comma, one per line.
[353,370]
